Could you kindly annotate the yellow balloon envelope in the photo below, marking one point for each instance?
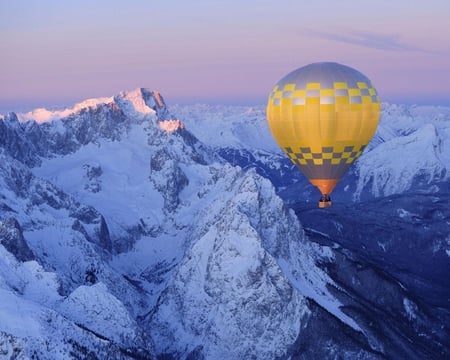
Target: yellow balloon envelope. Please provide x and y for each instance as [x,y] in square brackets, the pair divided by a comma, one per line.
[323,115]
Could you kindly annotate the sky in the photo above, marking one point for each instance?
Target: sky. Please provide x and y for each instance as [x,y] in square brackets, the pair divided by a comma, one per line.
[56,53]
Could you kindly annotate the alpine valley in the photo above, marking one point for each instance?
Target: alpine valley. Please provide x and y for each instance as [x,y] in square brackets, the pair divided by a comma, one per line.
[130,230]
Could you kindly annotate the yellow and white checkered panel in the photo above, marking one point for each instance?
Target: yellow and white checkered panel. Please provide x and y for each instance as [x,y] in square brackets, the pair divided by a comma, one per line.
[323,116]
[315,93]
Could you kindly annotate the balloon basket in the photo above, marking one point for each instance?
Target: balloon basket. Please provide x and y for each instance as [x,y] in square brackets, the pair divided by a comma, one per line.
[324,204]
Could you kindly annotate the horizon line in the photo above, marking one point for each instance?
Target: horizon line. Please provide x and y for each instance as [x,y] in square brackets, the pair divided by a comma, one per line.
[23,106]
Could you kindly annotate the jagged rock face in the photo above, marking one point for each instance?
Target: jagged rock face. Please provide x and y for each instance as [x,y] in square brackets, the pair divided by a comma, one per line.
[229,288]
[39,193]
[168,178]
[103,121]
[11,237]
[44,215]
[93,174]
[155,101]
[13,141]
[100,236]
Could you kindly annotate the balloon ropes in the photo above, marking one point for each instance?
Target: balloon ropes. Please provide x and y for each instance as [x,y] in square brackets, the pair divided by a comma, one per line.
[322,116]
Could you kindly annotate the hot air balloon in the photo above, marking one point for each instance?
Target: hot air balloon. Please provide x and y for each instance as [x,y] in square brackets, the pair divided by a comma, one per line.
[322,116]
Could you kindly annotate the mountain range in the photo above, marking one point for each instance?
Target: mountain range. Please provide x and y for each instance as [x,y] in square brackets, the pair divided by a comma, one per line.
[131,230]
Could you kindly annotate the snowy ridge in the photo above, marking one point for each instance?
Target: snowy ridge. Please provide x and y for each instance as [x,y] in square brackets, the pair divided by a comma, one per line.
[411,147]
[43,115]
[380,171]
[139,102]
[387,172]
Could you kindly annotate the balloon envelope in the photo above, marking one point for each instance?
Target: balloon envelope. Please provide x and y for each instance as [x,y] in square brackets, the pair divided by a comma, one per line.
[322,116]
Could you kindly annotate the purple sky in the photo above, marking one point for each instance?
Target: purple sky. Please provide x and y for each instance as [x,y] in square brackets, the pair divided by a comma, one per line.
[60,52]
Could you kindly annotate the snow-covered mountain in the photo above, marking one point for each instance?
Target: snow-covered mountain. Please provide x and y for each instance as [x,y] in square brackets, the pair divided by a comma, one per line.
[131,231]
[420,132]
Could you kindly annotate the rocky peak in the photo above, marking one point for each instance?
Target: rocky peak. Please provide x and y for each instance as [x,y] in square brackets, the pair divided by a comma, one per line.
[170,125]
[228,269]
[141,103]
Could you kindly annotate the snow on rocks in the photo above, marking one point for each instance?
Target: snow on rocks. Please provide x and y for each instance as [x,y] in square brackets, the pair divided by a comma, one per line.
[96,309]
[171,125]
[384,169]
[230,296]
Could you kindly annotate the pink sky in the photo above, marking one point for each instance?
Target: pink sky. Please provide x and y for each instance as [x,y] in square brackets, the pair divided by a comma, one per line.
[61,52]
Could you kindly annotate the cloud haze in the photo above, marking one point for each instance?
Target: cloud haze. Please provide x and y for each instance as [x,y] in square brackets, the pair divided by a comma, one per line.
[389,42]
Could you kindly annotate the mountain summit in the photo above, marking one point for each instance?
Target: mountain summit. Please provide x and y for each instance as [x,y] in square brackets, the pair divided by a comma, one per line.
[140,101]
